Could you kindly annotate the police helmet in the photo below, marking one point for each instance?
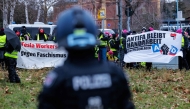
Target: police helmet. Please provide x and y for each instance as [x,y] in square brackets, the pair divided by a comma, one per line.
[76,29]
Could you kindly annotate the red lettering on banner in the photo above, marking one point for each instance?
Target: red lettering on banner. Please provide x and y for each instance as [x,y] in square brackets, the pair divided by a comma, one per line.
[46,46]
[27,45]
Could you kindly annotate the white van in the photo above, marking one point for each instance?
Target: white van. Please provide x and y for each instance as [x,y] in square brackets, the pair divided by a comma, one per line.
[108,30]
[34,28]
[174,28]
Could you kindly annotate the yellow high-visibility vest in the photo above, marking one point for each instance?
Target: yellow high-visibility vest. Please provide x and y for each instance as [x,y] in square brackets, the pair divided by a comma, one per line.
[96,51]
[182,42]
[143,64]
[38,37]
[110,57]
[2,41]
[22,38]
[14,54]
[102,43]
[121,43]
[112,49]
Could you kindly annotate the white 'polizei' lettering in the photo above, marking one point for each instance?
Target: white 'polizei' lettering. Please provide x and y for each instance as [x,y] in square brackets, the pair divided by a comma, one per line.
[87,82]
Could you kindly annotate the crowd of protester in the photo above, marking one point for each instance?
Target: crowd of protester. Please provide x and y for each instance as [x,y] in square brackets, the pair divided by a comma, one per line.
[113,48]
[24,35]
[8,56]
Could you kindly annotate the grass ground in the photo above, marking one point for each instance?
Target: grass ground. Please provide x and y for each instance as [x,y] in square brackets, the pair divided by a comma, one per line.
[158,89]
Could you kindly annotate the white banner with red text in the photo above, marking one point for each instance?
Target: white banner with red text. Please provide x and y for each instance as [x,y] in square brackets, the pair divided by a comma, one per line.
[40,54]
[153,46]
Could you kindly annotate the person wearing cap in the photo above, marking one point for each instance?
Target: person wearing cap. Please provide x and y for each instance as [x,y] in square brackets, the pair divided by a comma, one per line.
[150,29]
[41,35]
[83,82]
[111,57]
[184,48]
[143,30]
[2,47]
[113,46]
[24,34]
[18,33]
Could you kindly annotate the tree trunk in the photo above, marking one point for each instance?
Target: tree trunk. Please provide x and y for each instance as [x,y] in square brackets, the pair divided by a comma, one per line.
[45,11]
[94,8]
[45,15]
[12,8]
[39,10]
[5,13]
[26,12]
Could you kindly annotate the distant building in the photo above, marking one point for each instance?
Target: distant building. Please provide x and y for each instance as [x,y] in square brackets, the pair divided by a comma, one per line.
[111,21]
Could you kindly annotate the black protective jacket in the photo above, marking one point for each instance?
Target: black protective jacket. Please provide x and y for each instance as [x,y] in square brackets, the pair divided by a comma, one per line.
[41,37]
[186,42]
[86,85]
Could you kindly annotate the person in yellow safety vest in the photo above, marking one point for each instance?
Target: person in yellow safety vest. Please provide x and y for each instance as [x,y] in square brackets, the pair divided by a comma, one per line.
[11,62]
[51,38]
[182,41]
[113,46]
[111,57]
[41,35]
[122,46]
[184,48]
[2,47]
[103,46]
[143,64]
[24,34]
[18,34]
[96,52]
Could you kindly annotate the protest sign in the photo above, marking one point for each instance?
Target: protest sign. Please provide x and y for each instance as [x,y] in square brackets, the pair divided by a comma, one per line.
[40,54]
[153,46]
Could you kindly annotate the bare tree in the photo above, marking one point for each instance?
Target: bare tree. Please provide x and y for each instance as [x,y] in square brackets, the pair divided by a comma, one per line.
[61,5]
[135,5]
[26,11]
[94,7]
[47,4]
[145,15]
[5,13]
[12,9]
[39,10]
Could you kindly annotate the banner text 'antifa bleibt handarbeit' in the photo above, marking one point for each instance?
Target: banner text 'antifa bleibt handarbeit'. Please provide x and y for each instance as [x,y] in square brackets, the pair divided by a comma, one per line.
[40,54]
[153,46]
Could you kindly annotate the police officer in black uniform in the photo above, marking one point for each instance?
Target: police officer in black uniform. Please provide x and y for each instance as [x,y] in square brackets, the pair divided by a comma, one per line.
[82,82]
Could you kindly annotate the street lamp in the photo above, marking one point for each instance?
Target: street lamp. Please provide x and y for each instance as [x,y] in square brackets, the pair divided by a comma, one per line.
[128,13]
[177,13]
